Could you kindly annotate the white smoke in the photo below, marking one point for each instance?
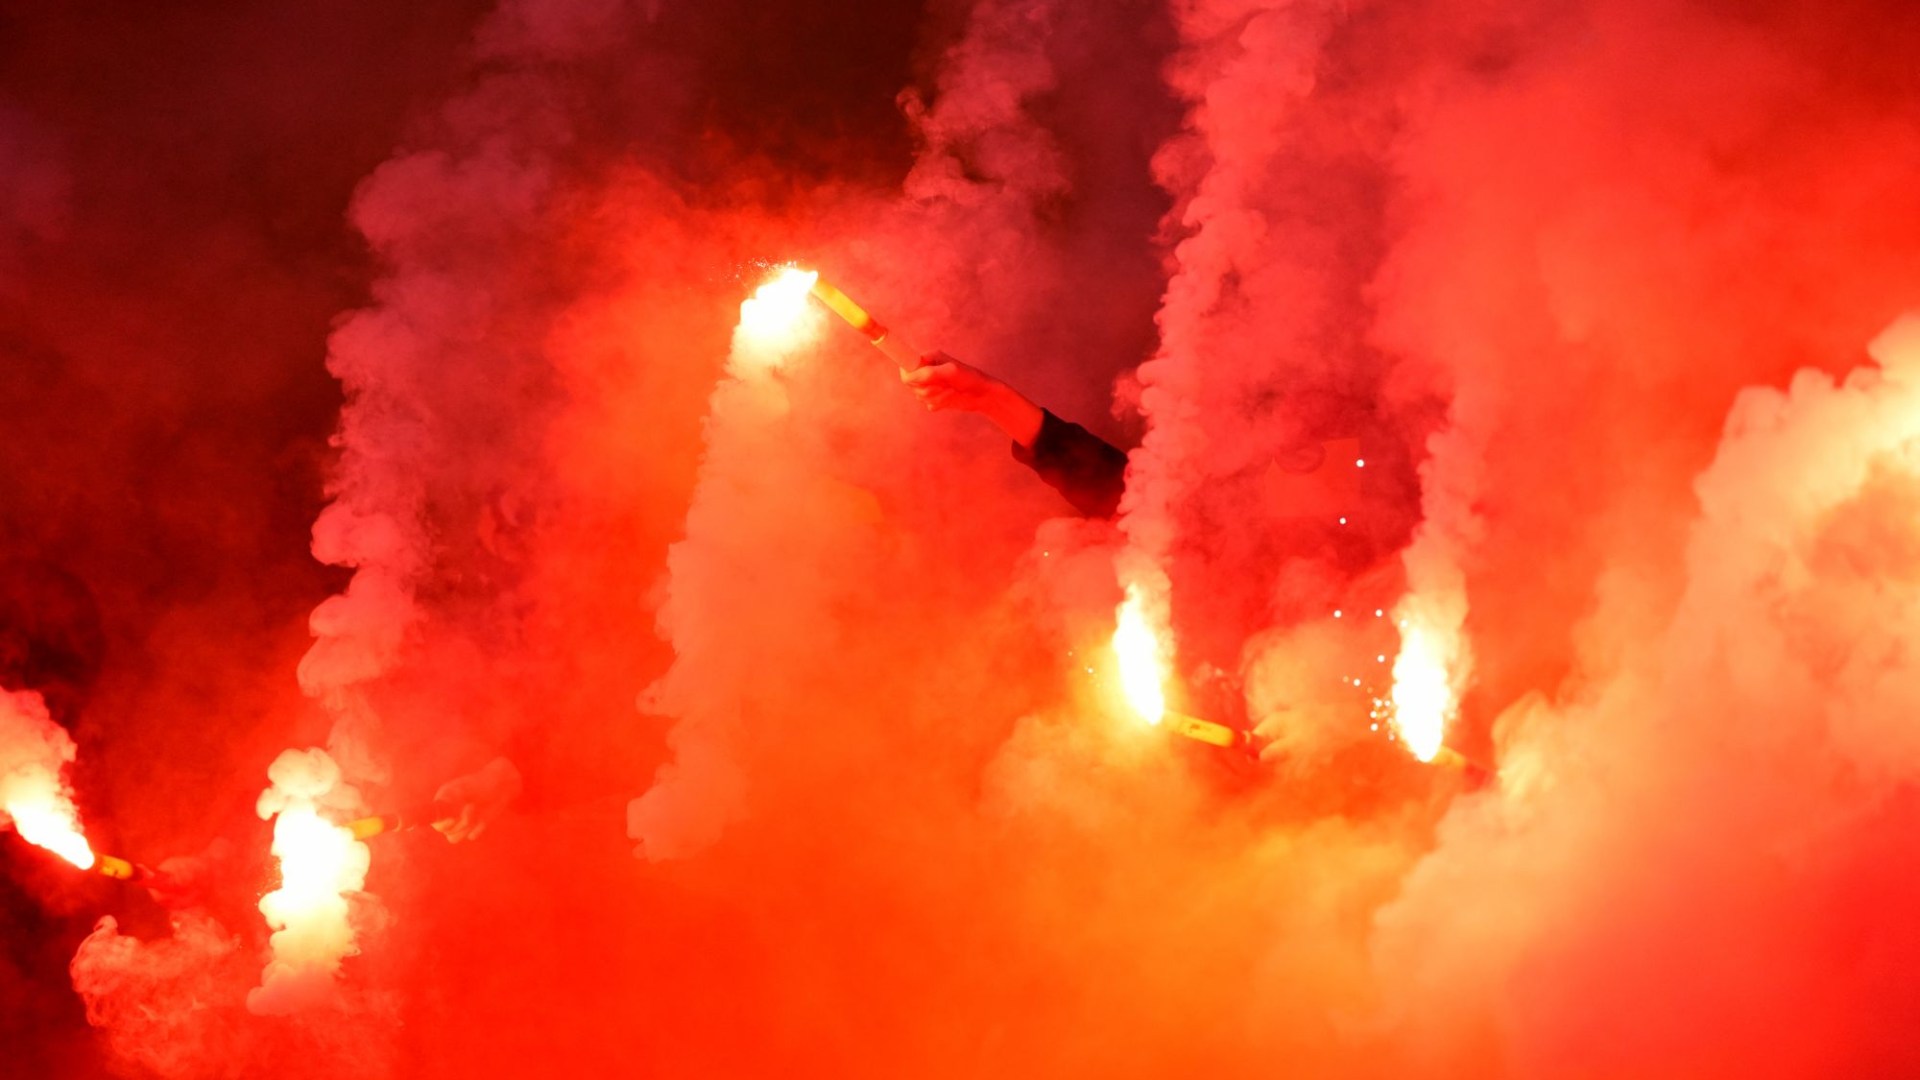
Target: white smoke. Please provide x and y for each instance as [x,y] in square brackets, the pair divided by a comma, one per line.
[715,625]
[321,867]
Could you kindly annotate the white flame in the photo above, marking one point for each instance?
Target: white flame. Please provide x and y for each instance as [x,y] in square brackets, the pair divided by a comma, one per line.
[1138,652]
[775,316]
[1423,699]
[320,864]
[33,795]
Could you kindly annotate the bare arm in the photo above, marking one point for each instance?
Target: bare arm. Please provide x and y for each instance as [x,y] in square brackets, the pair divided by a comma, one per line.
[1084,469]
[942,382]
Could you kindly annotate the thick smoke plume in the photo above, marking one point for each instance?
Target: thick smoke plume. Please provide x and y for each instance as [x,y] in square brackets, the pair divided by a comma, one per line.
[1739,777]
[1267,489]
[1584,285]
[719,630]
[166,1008]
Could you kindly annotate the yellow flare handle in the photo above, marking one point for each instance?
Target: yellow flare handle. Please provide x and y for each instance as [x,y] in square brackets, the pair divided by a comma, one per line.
[1476,773]
[842,305]
[1205,731]
[905,356]
[116,868]
[409,817]
[367,828]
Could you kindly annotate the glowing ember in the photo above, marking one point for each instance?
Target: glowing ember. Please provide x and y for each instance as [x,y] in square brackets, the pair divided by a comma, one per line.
[320,863]
[1137,650]
[1422,697]
[33,796]
[777,311]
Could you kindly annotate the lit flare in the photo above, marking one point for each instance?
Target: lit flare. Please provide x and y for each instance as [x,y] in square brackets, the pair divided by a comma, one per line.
[1422,697]
[1137,650]
[321,864]
[52,824]
[776,312]
[891,344]
[34,796]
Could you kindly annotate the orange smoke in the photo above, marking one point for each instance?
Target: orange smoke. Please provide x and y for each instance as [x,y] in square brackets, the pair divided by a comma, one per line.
[695,796]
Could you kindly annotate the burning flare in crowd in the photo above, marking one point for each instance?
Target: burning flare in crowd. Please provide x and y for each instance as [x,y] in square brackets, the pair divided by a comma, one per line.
[33,795]
[889,343]
[776,313]
[1142,664]
[320,864]
[1423,699]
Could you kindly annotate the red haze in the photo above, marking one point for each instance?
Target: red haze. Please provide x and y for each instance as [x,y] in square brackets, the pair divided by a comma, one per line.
[371,370]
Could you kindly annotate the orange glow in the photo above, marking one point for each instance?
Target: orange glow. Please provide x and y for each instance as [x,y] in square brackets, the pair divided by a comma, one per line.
[1422,697]
[1137,650]
[51,823]
[775,315]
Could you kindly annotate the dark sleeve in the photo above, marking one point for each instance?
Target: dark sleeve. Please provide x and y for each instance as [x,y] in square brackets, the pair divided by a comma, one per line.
[1079,465]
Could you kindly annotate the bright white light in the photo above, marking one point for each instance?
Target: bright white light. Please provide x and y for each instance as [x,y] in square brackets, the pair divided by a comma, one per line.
[1138,652]
[774,314]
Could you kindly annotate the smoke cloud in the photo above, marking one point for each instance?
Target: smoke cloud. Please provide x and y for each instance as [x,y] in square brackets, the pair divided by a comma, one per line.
[1538,327]
[166,1007]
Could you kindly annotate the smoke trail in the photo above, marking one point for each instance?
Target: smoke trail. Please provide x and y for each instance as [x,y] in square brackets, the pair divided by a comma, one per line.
[1266,489]
[1028,200]
[448,386]
[1684,827]
[706,615]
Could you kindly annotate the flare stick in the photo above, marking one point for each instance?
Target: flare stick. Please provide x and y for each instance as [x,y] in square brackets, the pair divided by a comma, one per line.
[1206,731]
[119,869]
[413,817]
[1477,775]
[895,348]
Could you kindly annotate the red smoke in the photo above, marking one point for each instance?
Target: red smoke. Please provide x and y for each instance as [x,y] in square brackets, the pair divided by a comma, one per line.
[1589,287]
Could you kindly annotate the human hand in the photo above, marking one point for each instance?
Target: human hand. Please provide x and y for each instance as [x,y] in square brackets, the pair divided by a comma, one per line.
[941,382]
[477,799]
